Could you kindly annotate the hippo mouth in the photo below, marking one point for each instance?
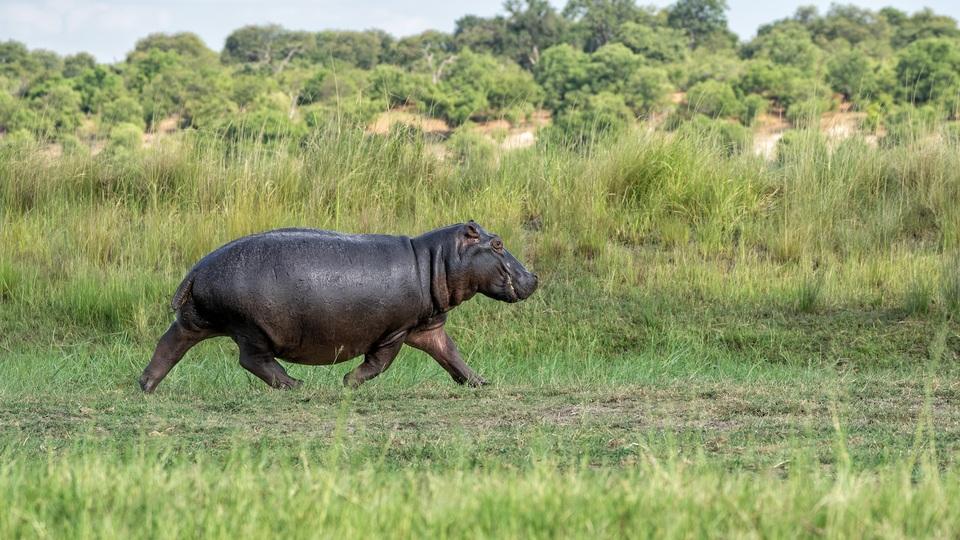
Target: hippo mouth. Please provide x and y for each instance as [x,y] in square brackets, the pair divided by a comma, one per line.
[513,292]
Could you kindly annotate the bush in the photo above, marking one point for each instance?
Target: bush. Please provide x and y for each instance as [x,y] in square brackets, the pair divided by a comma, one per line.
[646,89]
[600,115]
[125,110]
[732,138]
[806,114]
[714,98]
[753,107]
[470,148]
[125,137]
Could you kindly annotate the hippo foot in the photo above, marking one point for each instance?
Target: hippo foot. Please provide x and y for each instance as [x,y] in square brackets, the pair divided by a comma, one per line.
[476,381]
[289,384]
[147,385]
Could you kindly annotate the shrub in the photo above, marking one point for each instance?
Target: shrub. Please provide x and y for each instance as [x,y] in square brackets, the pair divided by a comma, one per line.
[753,107]
[600,115]
[730,137]
[714,98]
[123,110]
[471,148]
[806,114]
[125,137]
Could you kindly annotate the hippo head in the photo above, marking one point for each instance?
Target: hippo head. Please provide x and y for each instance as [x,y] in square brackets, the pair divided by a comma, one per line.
[489,268]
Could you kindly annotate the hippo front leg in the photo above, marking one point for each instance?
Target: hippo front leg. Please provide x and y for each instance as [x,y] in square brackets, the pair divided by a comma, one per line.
[438,344]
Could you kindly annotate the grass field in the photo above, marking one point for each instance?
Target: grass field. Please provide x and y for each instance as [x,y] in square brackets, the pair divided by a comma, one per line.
[721,346]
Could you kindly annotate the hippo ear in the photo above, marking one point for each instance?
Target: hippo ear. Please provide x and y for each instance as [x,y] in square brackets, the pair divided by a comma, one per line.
[471,230]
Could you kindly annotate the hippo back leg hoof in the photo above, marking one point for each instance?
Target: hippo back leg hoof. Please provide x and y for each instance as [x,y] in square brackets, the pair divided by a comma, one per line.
[289,384]
[477,381]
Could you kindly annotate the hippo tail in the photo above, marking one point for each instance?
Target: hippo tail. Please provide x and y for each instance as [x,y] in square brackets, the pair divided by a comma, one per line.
[183,293]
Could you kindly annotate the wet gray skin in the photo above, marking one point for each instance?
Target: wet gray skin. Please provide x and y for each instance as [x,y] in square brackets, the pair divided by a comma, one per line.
[319,297]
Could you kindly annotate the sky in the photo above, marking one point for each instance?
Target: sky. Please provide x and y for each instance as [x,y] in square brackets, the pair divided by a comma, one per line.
[109,28]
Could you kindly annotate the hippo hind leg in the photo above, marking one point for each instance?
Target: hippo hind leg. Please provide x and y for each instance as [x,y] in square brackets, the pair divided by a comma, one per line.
[258,360]
[175,342]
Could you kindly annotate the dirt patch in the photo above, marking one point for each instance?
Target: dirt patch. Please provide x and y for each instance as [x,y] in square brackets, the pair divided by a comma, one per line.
[383,123]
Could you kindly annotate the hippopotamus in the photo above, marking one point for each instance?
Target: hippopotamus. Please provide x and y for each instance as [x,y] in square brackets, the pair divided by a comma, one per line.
[318,297]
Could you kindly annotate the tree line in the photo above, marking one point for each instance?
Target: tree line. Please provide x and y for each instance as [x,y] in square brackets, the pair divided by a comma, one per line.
[596,65]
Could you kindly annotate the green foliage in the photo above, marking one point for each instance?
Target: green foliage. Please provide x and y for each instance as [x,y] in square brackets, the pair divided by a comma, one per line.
[806,114]
[929,69]
[57,106]
[561,72]
[77,64]
[269,47]
[125,138]
[185,44]
[753,107]
[471,148]
[657,43]
[730,137]
[646,89]
[504,66]
[714,98]
[358,49]
[600,115]
[125,110]
[853,74]
[786,45]
[699,19]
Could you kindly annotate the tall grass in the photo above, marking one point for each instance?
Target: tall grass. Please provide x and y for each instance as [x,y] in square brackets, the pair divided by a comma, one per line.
[145,495]
[99,242]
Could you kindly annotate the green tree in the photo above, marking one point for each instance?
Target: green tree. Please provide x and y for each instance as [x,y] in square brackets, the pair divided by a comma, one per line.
[610,66]
[417,52]
[699,19]
[561,72]
[77,64]
[929,69]
[852,73]
[787,44]
[186,44]
[533,26]
[646,89]
[714,98]
[359,49]
[270,47]
[594,23]
[657,43]
[598,115]
[122,110]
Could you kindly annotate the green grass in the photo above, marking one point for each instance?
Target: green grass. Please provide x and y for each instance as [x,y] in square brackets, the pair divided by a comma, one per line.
[720,346]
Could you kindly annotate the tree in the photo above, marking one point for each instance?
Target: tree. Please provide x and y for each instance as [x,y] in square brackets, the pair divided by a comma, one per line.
[921,25]
[657,43]
[786,44]
[269,47]
[700,19]
[714,98]
[852,73]
[359,49]
[594,23]
[609,67]
[929,69]
[489,35]
[76,64]
[561,72]
[186,44]
[534,25]
[416,52]
[646,89]
[599,115]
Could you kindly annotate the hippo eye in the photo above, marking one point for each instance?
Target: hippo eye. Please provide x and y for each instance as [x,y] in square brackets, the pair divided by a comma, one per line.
[497,244]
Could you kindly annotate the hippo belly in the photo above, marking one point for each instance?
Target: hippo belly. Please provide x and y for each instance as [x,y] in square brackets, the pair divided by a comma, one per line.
[313,297]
